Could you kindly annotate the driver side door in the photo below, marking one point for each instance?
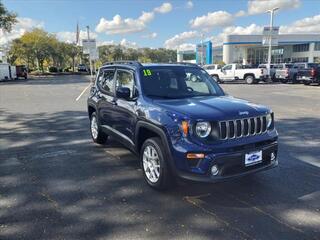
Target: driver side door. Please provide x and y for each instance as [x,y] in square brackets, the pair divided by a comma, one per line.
[228,72]
[124,112]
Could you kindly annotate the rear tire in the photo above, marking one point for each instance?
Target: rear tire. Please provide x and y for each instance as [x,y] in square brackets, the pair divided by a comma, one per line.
[306,83]
[250,79]
[155,165]
[216,77]
[283,80]
[98,136]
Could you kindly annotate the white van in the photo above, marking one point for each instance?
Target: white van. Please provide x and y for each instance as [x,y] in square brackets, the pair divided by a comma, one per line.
[4,71]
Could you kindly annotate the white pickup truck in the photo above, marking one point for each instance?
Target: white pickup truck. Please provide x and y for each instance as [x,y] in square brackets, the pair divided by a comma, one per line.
[235,71]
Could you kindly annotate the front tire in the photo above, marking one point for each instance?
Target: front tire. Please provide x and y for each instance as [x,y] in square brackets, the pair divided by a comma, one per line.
[155,167]
[98,136]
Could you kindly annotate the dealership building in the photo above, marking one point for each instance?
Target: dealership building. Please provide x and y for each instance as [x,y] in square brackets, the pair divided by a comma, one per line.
[249,49]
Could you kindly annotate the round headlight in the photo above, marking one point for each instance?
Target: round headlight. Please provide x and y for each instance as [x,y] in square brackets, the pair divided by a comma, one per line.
[269,120]
[203,129]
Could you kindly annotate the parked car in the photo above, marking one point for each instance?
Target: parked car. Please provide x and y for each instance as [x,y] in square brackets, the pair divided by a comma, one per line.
[309,75]
[272,70]
[82,68]
[286,72]
[211,68]
[22,71]
[231,72]
[180,128]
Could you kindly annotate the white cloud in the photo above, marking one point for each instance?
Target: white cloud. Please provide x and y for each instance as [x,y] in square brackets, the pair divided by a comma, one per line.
[70,37]
[189,4]
[212,19]
[236,30]
[261,6]
[119,25]
[305,25]
[150,35]
[111,42]
[23,25]
[125,43]
[241,13]
[164,8]
[177,40]
[186,46]
[146,17]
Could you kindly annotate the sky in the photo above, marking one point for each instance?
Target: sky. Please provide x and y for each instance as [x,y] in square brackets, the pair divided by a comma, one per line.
[177,24]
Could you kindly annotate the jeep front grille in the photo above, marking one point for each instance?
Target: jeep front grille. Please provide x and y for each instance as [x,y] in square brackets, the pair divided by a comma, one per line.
[242,127]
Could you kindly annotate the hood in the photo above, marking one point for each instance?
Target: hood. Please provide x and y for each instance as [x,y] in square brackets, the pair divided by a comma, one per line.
[213,108]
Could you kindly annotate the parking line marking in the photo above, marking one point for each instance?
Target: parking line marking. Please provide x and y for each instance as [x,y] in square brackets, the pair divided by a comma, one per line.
[84,90]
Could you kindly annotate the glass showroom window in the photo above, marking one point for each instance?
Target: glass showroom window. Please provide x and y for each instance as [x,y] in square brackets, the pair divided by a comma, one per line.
[301,48]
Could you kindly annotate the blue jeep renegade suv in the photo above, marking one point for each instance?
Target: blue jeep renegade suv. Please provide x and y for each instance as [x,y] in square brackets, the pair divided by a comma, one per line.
[180,122]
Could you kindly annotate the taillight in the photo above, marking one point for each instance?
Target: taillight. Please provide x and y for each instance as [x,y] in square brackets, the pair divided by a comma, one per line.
[313,72]
[287,71]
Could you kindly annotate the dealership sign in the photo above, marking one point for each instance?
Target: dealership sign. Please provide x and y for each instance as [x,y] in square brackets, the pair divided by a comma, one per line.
[90,47]
[270,35]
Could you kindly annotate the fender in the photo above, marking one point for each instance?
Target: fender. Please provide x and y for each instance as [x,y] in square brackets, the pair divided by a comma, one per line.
[159,131]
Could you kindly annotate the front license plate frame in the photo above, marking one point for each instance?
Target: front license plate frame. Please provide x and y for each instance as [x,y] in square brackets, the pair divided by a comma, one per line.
[253,158]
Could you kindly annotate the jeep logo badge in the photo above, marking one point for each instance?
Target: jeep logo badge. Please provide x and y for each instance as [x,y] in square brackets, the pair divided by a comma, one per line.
[244,113]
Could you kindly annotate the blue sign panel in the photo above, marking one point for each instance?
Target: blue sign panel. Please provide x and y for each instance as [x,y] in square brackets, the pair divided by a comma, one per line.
[204,53]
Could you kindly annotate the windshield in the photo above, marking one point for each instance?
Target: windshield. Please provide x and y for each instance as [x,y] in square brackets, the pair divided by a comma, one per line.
[178,82]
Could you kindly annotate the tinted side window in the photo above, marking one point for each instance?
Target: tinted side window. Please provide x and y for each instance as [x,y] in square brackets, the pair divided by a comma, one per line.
[227,67]
[105,80]
[125,79]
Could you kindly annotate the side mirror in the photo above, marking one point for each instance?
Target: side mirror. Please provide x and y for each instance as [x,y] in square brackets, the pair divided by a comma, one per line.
[123,92]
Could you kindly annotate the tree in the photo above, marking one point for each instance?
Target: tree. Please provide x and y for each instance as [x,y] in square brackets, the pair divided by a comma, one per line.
[41,45]
[7,19]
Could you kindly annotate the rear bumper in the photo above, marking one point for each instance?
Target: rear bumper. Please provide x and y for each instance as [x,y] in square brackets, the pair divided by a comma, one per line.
[231,165]
[308,79]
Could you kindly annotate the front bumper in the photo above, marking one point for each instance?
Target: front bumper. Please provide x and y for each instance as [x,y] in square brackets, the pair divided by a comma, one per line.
[231,165]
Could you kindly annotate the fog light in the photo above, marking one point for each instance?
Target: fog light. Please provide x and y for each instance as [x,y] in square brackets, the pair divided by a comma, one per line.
[214,170]
[273,157]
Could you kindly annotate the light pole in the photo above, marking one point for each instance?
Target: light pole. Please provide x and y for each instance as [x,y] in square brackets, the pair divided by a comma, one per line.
[271,11]
[88,34]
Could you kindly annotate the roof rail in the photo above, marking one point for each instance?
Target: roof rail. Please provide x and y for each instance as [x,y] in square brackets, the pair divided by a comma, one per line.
[185,63]
[124,62]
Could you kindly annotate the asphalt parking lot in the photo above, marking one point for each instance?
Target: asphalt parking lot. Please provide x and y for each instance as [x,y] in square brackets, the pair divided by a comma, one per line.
[56,184]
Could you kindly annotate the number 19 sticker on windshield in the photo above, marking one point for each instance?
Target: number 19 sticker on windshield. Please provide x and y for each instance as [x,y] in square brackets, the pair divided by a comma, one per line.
[147,72]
